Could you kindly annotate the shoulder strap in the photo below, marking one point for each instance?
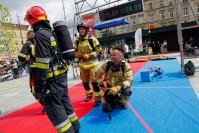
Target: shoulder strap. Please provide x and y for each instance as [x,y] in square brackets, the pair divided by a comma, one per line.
[77,43]
[90,40]
[90,43]
[123,67]
[108,66]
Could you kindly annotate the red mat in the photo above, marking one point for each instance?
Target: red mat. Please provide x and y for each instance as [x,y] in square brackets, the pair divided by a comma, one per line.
[30,119]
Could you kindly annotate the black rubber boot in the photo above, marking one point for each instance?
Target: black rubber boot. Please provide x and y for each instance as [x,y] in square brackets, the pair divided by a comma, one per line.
[89,97]
[106,107]
[97,103]
[87,88]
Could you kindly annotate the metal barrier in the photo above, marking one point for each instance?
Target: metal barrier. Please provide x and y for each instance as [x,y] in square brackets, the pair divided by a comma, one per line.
[75,69]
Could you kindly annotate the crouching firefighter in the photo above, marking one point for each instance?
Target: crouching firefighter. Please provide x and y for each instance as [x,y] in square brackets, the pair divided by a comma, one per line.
[87,49]
[27,56]
[50,72]
[118,77]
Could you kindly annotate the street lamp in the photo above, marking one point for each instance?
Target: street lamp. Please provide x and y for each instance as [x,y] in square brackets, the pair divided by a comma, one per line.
[20,28]
[64,11]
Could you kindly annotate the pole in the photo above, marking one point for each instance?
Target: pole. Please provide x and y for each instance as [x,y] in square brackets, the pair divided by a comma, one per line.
[179,33]
[193,12]
[20,28]
[64,10]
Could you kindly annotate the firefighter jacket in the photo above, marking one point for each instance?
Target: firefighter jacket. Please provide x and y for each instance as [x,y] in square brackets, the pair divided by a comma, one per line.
[120,78]
[27,56]
[27,53]
[88,50]
[47,63]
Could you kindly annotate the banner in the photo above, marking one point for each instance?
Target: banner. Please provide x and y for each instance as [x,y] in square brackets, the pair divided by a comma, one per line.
[90,21]
[138,38]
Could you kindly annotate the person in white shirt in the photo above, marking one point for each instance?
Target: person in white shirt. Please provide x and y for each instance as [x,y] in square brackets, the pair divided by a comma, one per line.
[126,52]
[165,46]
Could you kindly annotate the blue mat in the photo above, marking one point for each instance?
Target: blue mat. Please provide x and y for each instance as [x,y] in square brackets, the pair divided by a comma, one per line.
[168,104]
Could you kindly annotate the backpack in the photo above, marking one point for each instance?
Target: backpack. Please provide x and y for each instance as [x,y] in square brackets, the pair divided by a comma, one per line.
[109,63]
[189,68]
[90,42]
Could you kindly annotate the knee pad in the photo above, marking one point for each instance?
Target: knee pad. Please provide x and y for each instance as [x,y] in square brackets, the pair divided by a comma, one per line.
[86,85]
[95,86]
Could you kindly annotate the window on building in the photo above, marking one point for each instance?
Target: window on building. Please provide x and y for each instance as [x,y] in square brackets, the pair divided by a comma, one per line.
[185,1]
[141,19]
[151,17]
[162,15]
[170,2]
[161,3]
[171,14]
[150,6]
[186,11]
[197,9]
[133,21]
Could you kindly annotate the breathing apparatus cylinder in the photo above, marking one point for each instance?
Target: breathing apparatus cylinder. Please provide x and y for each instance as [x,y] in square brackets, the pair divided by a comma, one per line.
[64,40]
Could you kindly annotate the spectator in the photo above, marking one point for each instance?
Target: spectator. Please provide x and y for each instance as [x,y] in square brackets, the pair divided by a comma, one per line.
[165,46]
[126,51]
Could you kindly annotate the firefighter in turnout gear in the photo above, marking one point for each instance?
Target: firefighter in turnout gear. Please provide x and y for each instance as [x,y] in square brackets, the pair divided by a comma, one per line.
[87,49]
[50,75]
[27,56]
[118,77]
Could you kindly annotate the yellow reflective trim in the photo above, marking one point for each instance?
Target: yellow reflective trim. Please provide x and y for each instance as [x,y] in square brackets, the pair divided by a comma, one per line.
[88,91]
[74,119]
[88,66]
[33,65]
[32,49]
[113,81]
[65,128]
[42,18]
[42,66]
[33,89]
[53,43]
[97,94]
[22,55]
[57,72]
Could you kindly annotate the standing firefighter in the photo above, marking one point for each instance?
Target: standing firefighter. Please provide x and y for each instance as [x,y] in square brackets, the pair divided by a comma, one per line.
[50,74]
[87,49]
[118,77]
[27,56]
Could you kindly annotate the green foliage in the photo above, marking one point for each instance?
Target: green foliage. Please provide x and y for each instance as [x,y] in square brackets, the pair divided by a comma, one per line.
[6,31]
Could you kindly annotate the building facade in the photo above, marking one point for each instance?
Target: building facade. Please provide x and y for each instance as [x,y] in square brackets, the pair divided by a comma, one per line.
[158,23]
[20,32]
[17,36]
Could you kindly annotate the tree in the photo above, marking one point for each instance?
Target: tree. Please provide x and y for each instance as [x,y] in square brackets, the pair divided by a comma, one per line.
[6,31]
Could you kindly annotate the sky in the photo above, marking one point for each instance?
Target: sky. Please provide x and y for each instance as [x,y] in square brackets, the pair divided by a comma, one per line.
[54,8]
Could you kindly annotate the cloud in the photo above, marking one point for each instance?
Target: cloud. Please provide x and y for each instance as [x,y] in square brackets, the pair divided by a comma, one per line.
[53,8]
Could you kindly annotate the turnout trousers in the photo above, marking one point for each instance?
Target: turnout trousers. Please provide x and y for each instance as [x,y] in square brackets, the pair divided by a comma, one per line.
[58,105]
[87,76]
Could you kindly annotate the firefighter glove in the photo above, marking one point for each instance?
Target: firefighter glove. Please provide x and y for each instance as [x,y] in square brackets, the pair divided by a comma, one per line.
[114,90]
[86,56]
